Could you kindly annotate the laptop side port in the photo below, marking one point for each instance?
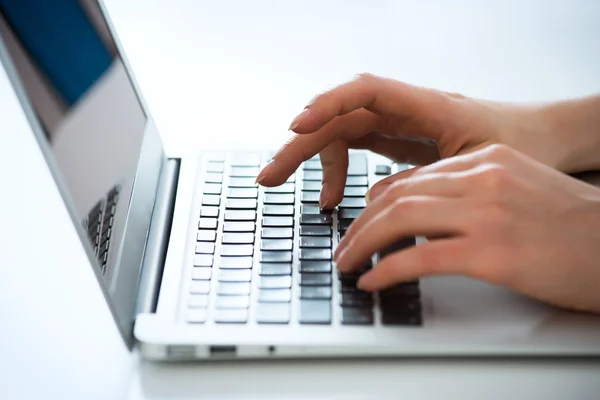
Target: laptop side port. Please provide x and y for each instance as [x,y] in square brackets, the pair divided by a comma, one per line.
[221,352]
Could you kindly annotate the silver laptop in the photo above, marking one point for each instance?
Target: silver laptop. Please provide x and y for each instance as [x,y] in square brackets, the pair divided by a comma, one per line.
[198,262]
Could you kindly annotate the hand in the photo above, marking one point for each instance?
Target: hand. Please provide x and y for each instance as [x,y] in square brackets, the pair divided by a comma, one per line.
[493,214]
[418,126]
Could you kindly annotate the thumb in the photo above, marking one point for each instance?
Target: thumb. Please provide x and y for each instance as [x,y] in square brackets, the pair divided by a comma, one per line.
[381,186]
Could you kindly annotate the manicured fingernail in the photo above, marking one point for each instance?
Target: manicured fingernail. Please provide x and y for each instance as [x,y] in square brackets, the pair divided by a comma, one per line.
[324,196]
[264,173]
[298,119]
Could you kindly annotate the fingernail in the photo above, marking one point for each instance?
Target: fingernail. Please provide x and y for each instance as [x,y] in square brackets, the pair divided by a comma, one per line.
[324,196]
[264,173]
[298,119]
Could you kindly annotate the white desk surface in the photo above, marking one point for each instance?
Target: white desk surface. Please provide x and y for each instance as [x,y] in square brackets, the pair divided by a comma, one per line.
[217,72]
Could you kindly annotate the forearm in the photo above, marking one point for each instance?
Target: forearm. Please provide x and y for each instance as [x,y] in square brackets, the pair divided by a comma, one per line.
[576,125]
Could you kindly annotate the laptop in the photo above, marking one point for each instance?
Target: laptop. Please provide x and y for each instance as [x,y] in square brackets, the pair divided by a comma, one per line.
[197,262]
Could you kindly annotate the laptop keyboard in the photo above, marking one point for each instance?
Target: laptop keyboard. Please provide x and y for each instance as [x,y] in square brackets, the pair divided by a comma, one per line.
[99,225]
[264,255]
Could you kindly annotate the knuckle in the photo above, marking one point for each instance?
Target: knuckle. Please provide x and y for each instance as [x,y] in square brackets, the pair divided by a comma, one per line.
[499,151]
[400,207]
[366,76]
[494,177]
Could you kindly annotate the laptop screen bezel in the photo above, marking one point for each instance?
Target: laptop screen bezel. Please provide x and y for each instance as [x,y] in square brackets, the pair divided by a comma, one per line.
[122,294]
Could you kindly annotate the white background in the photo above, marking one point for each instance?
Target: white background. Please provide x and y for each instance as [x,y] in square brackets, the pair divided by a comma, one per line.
[237,72]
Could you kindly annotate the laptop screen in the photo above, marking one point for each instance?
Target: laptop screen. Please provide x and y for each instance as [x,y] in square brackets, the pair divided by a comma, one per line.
[76,84]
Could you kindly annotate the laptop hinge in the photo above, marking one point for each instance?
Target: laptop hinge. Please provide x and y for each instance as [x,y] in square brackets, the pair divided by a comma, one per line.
[158,238]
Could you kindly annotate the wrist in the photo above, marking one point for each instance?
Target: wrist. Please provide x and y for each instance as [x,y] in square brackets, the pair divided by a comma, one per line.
[575,129]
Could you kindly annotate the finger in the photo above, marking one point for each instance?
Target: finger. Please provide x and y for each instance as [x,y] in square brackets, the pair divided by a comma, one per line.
[460,163]
[398,149]
[439,185]
[411,216]
[445,256]
[382,96]
[302,147]
[334,159]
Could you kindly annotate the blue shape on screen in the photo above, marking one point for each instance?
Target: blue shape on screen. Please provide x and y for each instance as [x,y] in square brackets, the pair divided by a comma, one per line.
[61,41]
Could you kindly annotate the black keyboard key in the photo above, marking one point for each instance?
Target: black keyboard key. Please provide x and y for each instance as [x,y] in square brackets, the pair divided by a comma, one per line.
[315,312]
[315,230]
[235,262]
[205,248]
[242,183]
[242,193]
[273,210]
[310,209]
[309,197]
[357,181]
[398,305]
[315,280]
[233,288]
[356,299]
[311,186]
[355,191]
[201,273]
[275,295]
[209,211]
[383,169]
[242,172]
[312,165]
[401,290]
[203,260]
[315,242]
[344,224]
[315,254]
[313,175]
[357,316]
[241,204]
[247,226]
[285,188]
[198,301]
[401,319]
[208,223]
[276,244]
[313,267]
[276,257]
[316,219]
[211,200]
[278,222]
[273,313]
[196,316]
[349,213]
[316,292]
[212,188]
[238,238]
[200,287]
[275,282]
[245,160]
[399,245]
[212,177]
[217,167]
[206,236]
[237,250]
[353,202]
[235,275]
[268,269]
[240,215]
[277,233]
[232,302]
[231,316]
[279,198]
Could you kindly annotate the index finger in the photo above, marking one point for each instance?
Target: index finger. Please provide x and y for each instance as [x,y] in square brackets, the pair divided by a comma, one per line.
[382,96]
